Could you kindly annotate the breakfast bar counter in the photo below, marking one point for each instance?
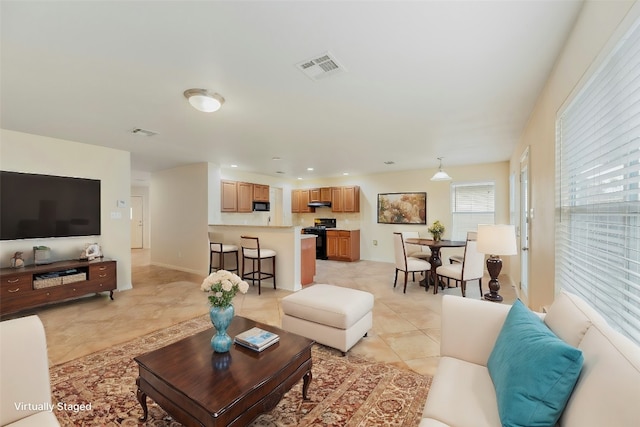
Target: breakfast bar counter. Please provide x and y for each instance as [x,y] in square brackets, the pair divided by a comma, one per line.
[286,241]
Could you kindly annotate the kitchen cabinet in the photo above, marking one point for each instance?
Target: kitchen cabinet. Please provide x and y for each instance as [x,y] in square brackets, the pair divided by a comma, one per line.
[345,199]
[320,194]
[260,193]
[343,245]
[300,201]
[229,195]
[307,259]
[239,196]
[245,197]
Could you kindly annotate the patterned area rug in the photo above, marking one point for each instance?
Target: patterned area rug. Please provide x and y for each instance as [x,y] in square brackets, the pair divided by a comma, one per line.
[100,389]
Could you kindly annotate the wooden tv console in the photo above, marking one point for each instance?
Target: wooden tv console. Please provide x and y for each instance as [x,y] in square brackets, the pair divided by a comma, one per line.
[37,285]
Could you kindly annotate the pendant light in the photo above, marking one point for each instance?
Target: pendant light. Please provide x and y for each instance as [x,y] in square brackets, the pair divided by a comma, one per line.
[440,175]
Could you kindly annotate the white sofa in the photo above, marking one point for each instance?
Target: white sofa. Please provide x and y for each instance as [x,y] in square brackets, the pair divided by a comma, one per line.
[25,389]
[607,392]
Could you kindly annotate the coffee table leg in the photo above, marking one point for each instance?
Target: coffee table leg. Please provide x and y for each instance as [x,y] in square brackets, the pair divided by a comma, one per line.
[306,380]
[142,398]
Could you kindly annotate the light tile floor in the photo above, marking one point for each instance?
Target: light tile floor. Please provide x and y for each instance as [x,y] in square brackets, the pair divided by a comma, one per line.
[406,327]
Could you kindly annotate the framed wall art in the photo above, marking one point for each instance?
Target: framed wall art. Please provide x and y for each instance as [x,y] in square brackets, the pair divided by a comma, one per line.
[402,208]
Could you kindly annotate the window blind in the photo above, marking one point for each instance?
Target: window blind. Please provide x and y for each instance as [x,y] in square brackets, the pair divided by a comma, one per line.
[597,184]
[471,204]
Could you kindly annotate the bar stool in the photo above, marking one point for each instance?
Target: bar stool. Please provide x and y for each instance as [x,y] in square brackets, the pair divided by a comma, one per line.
[221,249]
[251,251]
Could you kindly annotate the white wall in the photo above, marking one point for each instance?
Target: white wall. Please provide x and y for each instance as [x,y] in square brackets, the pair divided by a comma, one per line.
[21,152]
[179,202]
[596,26]
[438,203]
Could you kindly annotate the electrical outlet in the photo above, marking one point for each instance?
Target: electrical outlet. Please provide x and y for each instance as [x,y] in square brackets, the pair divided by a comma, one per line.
[375,243]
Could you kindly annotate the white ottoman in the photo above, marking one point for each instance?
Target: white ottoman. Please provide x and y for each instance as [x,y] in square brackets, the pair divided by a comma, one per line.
[331,315]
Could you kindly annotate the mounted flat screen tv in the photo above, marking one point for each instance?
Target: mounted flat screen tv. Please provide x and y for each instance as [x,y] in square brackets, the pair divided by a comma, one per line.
[38,206]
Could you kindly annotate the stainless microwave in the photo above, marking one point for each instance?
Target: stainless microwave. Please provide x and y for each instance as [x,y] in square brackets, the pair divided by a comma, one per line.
[261,206]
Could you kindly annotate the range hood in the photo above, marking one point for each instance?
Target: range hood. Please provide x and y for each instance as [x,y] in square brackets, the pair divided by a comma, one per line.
[319,204]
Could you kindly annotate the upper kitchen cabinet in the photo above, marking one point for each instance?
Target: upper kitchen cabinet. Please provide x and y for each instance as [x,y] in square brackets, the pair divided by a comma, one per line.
[300,201]
[320,194]
[260,193]
[239,196]
[245,197]
[229,194]
[345,199]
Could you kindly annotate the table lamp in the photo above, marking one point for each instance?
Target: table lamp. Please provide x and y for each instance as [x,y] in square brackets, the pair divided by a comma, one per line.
[496,240]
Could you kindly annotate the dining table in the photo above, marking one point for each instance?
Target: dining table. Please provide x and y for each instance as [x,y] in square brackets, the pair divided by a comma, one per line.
[434,260]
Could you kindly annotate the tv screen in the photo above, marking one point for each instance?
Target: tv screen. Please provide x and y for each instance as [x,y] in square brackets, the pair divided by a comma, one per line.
[37,206]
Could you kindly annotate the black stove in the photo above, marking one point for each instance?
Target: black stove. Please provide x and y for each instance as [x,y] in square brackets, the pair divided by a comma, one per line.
[320,229]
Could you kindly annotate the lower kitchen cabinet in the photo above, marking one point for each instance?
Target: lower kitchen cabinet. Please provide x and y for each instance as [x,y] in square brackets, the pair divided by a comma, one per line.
[343,245]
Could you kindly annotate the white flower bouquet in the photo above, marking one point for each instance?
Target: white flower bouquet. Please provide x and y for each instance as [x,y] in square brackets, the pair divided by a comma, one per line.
[222,287]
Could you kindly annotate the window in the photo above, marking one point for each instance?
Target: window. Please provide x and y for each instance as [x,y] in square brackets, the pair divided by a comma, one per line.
[471,204]
[598,195]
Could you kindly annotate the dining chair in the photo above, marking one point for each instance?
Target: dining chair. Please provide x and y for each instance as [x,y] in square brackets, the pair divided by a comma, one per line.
[406,263]
[471,267]
[221,250]
[413,249]
[253,253]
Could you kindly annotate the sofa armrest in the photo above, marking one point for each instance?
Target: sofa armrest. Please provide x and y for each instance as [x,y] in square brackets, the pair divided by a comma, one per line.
[470,328]
[24,369]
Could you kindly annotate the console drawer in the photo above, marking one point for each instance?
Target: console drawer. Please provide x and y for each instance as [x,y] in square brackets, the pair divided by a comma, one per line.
[17,284]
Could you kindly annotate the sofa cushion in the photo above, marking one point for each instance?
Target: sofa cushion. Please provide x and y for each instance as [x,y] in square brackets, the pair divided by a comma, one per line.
[608,390]
[533,370]
[569,317]
[461,395]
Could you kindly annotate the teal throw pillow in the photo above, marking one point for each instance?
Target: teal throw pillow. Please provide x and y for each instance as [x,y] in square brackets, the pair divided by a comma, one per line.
[533,371]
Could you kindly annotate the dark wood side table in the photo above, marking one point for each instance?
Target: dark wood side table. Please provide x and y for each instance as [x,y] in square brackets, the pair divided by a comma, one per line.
[199,387]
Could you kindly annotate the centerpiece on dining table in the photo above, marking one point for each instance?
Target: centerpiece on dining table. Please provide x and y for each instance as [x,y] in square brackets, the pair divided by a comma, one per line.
[436,230]
[222,286]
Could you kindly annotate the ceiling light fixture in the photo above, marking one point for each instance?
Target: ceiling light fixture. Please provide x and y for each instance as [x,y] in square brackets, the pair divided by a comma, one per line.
[203,100]
[440,175]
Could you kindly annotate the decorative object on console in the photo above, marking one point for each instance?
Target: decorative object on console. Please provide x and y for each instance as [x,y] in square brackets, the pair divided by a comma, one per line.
[203,100]
[436,230]
[16,260]
[222,287]
[440,175]
[402,208]
[91,251]
[41,255]
[496,240]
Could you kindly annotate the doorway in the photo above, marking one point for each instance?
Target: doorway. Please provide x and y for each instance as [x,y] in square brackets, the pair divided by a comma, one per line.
[137,224]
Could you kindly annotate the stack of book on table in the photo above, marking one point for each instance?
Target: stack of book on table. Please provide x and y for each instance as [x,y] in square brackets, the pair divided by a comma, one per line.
[256,339]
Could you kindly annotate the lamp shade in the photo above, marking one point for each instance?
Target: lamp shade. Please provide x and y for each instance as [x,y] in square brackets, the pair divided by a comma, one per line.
[441,176]
[202,100]
[497,239]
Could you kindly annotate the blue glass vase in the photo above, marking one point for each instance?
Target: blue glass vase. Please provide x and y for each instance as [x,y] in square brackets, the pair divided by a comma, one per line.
[221,318]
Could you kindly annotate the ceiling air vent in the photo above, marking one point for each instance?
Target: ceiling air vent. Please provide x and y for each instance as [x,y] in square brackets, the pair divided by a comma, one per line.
[144,132]
[320,66]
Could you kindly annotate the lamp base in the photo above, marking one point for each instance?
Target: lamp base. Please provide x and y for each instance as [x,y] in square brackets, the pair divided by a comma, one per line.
[493,297]
[494,265]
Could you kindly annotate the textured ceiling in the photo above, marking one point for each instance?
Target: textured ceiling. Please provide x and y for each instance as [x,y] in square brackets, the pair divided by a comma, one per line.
[422,79]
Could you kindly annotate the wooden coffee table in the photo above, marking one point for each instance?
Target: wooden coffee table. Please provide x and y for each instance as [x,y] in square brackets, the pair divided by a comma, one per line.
[199,387]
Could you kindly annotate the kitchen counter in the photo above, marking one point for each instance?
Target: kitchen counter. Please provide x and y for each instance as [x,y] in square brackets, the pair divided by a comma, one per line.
[286,241]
